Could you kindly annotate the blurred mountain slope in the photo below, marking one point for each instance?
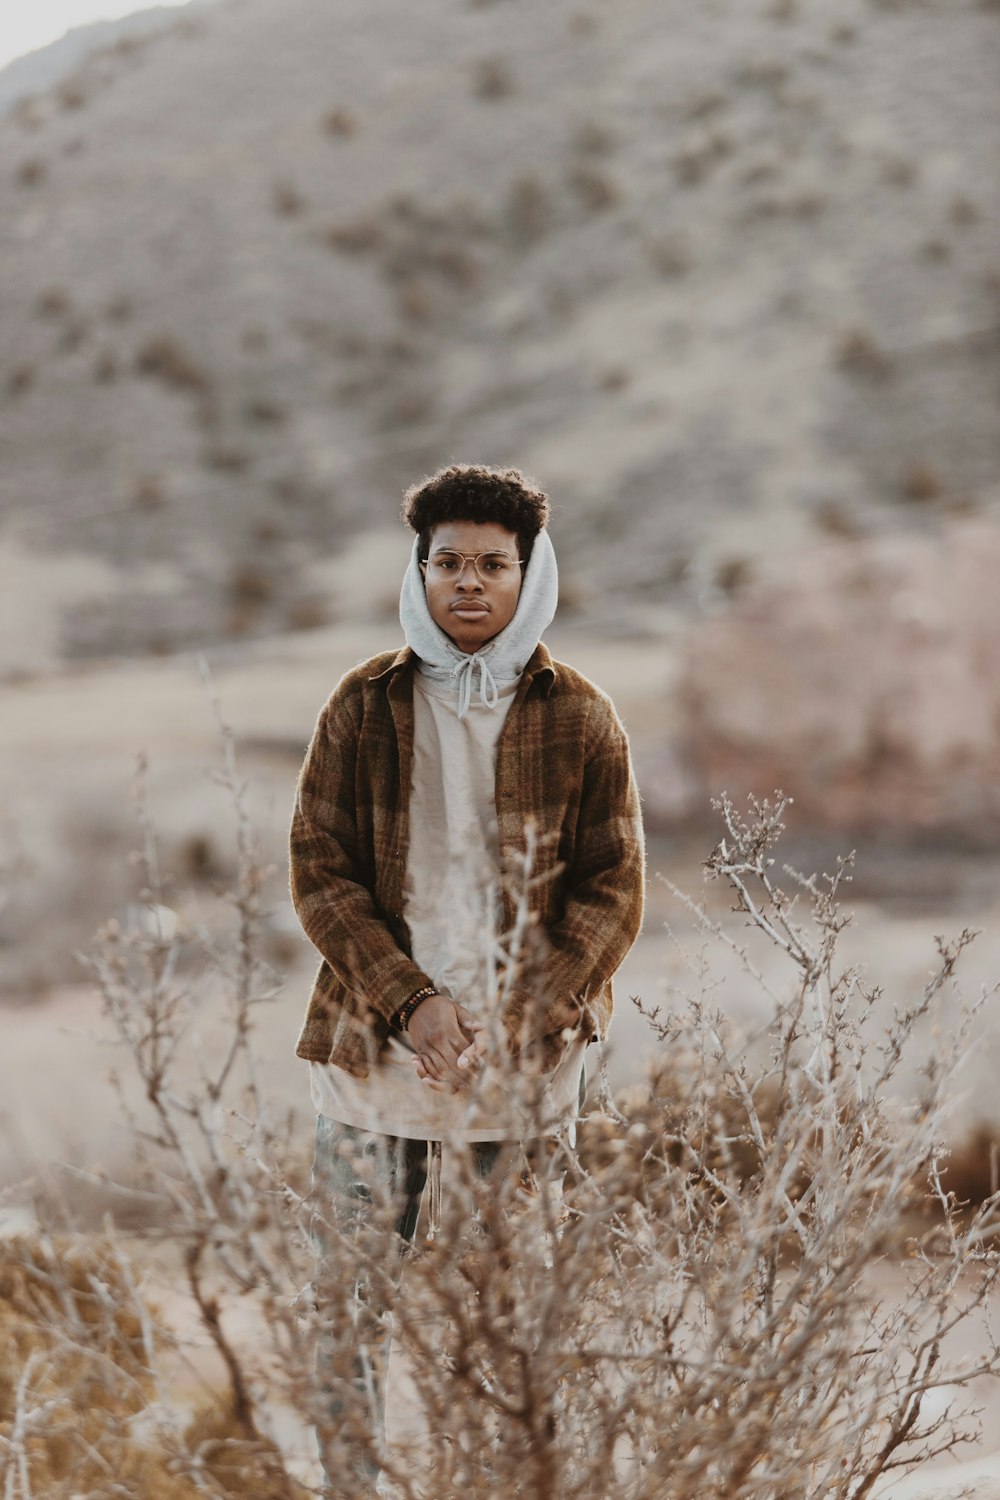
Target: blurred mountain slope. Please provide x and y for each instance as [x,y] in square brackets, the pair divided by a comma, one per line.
[45,67]
[725,278]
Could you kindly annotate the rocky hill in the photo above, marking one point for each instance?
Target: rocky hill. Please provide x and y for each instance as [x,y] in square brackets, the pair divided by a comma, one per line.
[46,67]
[723,277]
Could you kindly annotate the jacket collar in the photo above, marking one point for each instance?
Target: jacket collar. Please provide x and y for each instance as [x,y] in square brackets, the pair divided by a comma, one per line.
[539,664]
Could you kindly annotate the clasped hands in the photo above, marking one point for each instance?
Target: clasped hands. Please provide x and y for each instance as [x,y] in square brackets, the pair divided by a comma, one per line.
[450,1043]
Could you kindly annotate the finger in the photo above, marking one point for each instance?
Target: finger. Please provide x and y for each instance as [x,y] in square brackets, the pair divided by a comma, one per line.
[475,1052]
[433,1066]
[448,1051]
[432,1083]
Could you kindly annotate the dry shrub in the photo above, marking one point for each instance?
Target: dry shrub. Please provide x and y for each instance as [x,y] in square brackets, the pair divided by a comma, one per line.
[29,113]
[921,483]
[963,210]
[308,612]
[858,352]
[72,336]
[164,358]
[492,79]
[593,138]
[936,249]
[596,189]
[414,404]
[683,1306]
[105,367]
[32,171]
[733,574]
[697,157]
[528,208]
[767,73]
[414,299]
[838,519]
[251,584]
[288,202]
[265,411]
[227,458]
[804,203]
[669,255]
[289,489]
[615,378]
[54,302]
[20,379]
[75,1347]
[78,1344]
[901,171]
[149,493]
[340,123]
[71,94]
[119,309]
[358,238]
[703,104]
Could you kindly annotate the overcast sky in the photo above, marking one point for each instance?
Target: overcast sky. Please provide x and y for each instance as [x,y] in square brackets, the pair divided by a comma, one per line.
[25,26]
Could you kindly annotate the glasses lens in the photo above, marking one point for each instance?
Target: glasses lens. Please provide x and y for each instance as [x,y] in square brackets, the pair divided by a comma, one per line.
[494,564]
[489,565]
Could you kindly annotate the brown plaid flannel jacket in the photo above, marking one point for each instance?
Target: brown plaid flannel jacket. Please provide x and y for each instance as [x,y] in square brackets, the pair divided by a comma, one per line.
[563,764]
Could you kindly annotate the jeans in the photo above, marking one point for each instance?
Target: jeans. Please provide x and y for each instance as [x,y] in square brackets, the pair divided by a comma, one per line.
[354,1171]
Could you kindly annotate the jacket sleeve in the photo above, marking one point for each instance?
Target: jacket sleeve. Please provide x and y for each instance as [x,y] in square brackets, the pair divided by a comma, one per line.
[604,893]
[335,906]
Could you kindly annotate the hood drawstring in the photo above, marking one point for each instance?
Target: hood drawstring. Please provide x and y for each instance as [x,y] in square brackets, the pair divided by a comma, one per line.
[434,1181]
[489,692]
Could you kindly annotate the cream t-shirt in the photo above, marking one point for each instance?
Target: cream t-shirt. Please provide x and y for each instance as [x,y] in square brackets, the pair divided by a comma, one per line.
[453,906]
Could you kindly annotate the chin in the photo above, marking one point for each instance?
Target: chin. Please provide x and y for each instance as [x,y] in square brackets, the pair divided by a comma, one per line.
[471,642]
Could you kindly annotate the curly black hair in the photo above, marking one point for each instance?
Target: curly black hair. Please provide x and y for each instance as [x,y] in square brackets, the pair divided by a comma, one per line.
[477,492]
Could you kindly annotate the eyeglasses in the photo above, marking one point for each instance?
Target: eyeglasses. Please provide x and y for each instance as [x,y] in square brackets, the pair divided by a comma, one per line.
[492,567]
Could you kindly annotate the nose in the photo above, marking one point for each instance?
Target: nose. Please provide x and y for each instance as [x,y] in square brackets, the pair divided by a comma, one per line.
[469,577]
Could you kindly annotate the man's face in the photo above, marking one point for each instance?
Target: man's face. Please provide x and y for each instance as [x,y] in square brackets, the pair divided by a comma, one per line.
[470,608]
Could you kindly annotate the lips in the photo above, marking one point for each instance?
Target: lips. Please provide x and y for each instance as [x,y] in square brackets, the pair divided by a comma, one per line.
[469,607]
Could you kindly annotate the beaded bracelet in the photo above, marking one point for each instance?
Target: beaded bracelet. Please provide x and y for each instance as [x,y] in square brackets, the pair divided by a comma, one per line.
[401,1020]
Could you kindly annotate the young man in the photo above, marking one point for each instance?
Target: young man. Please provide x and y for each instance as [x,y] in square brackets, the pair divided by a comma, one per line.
[430,771]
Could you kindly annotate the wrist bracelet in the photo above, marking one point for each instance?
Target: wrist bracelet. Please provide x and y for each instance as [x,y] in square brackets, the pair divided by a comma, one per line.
[402,1017]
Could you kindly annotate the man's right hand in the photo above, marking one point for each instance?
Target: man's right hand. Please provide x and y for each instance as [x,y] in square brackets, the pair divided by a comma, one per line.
[439,1038]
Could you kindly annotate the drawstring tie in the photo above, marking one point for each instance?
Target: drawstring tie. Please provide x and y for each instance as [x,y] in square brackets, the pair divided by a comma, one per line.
[434,1207]
[489,693]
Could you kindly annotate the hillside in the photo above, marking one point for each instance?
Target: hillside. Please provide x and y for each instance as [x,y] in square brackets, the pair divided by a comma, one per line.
[46,67]
[725,280]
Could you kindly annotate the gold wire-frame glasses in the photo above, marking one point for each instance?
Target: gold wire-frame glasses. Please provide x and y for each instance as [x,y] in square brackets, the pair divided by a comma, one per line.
[498,565]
